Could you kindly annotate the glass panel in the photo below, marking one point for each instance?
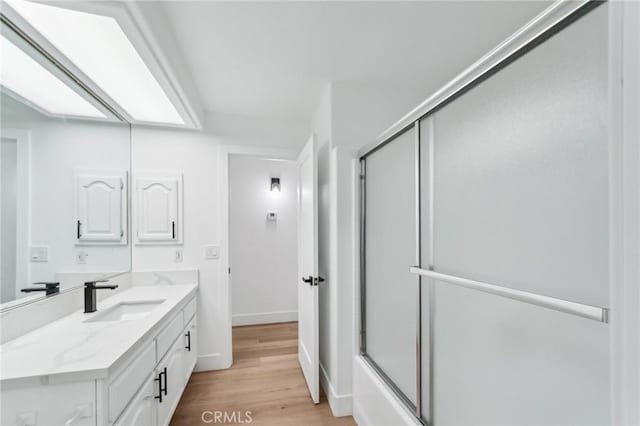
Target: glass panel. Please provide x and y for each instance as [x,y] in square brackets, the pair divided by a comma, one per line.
[502,362]
[390,250]
[521,173]
[64,165]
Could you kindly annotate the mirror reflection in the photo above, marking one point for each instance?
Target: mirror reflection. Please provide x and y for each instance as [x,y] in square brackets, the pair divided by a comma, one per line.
[64,179]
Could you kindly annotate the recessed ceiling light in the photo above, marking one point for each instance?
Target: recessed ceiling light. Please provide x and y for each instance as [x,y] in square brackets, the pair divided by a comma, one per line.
[25,77]
[98,46]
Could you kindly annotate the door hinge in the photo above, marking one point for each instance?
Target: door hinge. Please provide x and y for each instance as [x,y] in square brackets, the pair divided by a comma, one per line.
[229,270]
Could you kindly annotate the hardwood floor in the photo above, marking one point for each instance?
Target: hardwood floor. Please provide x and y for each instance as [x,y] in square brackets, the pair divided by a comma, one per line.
[265,380]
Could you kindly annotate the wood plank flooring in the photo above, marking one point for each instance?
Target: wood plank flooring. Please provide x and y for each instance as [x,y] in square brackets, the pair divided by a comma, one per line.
[265,379]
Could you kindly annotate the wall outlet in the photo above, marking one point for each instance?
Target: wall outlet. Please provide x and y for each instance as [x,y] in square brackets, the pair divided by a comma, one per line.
[177,256]
[39,254]
[212,252]
[81,257]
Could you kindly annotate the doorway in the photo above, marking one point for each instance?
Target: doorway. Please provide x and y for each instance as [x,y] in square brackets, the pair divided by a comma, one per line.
[262,240]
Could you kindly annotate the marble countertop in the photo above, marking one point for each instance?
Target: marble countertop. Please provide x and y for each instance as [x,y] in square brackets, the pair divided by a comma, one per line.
[71,349]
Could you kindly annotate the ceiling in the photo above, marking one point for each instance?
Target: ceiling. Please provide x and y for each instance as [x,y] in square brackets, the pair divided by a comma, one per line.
[272,59]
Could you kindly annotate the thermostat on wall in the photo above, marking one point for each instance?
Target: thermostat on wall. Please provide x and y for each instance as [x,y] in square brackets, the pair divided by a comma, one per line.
[272,216]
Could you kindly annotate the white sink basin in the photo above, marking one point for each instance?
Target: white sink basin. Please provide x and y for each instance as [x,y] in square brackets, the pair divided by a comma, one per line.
[126,311]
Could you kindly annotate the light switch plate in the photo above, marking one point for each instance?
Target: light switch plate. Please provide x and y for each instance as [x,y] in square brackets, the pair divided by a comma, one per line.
[39,254]
[212,252]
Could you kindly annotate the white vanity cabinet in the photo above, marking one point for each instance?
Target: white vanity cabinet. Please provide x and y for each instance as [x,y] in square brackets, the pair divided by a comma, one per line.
[127,373]
[141,410]
[135,397]
[38,403]
[171,370]
[191,346]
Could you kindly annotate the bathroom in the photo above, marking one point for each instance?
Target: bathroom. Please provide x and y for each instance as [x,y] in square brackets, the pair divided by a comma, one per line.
[319,213]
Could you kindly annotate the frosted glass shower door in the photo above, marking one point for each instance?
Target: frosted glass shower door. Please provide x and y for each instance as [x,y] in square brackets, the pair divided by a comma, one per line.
[514,188]
[521,171]
[390,247]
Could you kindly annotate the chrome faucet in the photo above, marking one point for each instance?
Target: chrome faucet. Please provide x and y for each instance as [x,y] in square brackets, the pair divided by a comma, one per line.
[90,294]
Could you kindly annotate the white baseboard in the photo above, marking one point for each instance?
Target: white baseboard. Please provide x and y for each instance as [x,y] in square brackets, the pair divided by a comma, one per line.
[341,405]
[211,362]
[265,318]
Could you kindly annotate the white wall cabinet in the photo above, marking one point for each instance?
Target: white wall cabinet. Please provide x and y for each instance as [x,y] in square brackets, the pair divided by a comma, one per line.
[158,207]
[101,199]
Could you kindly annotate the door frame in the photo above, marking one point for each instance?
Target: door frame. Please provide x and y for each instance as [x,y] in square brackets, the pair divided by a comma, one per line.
[23,228]
[226,358]
[624,208]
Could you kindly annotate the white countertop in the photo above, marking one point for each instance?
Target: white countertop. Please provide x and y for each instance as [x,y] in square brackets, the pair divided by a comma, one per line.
[71,349]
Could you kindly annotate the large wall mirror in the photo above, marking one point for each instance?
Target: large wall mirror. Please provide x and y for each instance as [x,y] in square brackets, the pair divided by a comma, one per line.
[64,179]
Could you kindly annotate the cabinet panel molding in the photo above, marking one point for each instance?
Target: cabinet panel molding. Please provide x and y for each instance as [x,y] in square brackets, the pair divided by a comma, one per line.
[158,208]
[100,207]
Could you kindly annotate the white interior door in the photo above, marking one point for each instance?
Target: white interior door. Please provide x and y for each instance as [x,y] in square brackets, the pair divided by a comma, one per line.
[308,353]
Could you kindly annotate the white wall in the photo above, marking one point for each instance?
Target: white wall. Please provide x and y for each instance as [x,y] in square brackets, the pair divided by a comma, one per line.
[257,131]
[202,157]
[197,156]
[325,290]
[263,254]
[56,148]
[349,115]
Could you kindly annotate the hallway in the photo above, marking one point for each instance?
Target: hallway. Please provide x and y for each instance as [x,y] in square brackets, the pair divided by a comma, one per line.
[265,380]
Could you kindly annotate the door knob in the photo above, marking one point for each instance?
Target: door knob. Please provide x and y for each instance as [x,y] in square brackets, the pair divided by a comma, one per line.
[308,280]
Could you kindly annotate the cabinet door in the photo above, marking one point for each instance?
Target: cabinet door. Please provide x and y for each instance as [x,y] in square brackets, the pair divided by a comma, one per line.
[158,206]
[70,404]
[99,215]
[172,381]
[141,410]
[191,347]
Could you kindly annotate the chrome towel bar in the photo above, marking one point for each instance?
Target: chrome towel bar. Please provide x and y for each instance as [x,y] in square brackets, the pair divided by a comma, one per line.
[573,308]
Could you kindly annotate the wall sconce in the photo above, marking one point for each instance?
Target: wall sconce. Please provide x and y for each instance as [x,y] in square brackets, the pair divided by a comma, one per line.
[275,184]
